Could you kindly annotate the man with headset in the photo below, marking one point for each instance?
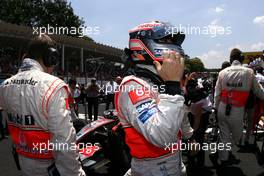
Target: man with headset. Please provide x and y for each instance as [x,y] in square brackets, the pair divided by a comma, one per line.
[38,110]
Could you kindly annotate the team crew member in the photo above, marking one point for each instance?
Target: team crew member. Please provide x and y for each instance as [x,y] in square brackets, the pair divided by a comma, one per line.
[197,99]
[259,104]
[111,86]
[231,93]
[93,91]
[39,114]
[152,119]
[260,71]
[254,106]
[75,93]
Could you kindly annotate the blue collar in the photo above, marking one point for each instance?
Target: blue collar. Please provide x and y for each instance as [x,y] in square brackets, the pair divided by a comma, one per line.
[30,64]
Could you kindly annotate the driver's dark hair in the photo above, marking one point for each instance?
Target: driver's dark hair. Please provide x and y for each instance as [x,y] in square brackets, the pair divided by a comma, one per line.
[236,54]
[38,46]
[225,64]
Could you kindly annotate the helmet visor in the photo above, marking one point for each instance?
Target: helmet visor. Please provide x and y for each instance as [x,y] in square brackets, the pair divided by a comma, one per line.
[166,30]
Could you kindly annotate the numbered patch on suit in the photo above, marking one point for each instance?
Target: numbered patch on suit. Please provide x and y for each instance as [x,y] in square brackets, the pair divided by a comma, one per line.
[138,95]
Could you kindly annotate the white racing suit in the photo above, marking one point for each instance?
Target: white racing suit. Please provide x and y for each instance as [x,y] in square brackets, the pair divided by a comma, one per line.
[152,124]
[252,112]
[232,89]
[39,122]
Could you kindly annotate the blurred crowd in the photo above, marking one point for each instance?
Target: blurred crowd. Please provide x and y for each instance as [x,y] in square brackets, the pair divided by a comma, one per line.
[8,65]
[93,94]
[102,70]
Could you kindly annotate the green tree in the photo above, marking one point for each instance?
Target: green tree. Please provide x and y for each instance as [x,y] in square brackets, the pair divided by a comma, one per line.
[188,64]
[40,13]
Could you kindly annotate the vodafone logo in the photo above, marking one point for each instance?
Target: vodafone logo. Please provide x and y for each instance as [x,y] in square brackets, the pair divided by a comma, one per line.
[149,25]
[146,26]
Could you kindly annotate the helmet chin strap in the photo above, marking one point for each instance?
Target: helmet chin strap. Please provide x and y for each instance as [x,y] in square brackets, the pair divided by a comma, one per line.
[149,72]
[148,67]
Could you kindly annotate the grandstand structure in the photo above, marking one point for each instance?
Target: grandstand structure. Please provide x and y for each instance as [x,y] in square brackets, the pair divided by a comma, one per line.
[76,53]
[250,56]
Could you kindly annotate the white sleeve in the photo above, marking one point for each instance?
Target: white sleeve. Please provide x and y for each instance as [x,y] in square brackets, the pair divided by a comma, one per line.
[63,132]
[186,128]
[257,88]
[1,95]
[157,118]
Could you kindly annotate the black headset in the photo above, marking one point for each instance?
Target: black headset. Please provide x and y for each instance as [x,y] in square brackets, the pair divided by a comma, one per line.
[51,57]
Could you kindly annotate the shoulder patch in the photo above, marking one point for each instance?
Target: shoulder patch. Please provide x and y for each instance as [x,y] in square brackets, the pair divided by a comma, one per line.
[144,116]
[144,106]
[138,95]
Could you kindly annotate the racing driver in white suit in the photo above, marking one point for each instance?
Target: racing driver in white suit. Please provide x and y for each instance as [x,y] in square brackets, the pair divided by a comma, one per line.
[38,110]
[231,93]
[150,107]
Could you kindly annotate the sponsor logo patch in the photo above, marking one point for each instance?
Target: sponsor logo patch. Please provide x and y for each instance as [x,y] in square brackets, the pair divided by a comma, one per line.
[144,106]
[23,82]
[138,95]
[143,117]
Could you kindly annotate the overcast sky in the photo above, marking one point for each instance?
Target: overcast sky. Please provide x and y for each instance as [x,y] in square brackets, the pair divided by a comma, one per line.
[239,23]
